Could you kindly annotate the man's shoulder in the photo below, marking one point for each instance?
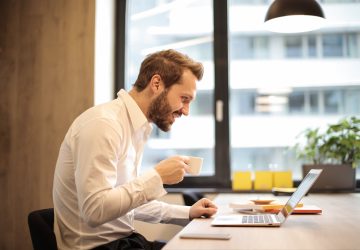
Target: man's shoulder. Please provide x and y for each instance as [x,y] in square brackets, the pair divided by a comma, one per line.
[113,110]
[110,114]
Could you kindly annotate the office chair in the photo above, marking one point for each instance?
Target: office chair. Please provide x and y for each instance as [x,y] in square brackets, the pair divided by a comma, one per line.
[41,226]
[190,197]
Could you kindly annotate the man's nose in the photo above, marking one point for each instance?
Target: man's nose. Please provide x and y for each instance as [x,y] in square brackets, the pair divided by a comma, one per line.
[186,109]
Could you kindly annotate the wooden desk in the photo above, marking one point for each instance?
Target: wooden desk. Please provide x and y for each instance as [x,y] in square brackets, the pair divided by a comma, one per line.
[338,227]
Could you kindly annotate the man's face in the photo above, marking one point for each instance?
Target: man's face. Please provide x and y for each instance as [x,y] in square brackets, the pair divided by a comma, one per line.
[173,102]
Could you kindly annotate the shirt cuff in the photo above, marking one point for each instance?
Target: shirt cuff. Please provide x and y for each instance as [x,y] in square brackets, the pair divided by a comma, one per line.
[179,215]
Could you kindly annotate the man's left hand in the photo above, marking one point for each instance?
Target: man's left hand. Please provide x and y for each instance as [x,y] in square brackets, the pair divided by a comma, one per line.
[203,207]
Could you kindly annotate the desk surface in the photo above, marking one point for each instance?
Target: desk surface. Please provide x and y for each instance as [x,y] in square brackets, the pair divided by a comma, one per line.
[337,227]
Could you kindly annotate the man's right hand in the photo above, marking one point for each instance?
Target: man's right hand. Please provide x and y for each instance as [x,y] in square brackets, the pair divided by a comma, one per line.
[173,169]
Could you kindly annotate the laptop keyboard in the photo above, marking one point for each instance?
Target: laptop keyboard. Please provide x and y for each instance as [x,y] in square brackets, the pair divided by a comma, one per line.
[255,219]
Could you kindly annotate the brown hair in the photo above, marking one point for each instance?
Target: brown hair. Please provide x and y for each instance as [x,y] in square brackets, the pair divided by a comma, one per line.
[170,65]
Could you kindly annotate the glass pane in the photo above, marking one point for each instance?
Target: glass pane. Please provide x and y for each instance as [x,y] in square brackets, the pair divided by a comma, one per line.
[352,103]
[186,26]
[297,102]
[352,48]
[333,45]
[293,46]
[332,101]
[248,47]
[311,46]
[313,102]
[304,81]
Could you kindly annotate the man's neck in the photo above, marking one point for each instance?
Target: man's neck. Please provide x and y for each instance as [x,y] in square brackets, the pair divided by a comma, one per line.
[142,99]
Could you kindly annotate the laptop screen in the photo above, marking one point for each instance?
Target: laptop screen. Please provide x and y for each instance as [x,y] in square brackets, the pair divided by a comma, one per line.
[295,198]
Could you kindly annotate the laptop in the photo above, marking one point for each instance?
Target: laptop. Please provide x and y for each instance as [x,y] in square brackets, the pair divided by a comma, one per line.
[331,180]
[270,220]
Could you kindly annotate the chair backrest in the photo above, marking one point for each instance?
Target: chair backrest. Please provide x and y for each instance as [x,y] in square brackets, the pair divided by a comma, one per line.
[41,226]
[190,197]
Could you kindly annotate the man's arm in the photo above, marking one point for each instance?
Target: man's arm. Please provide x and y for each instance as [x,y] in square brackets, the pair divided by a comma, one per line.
[161,212]
[156,211]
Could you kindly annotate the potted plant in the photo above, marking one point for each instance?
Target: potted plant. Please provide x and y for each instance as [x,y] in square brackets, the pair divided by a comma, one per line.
[336,151]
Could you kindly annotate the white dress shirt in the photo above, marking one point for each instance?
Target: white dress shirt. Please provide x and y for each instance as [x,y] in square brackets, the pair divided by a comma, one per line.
[97,190]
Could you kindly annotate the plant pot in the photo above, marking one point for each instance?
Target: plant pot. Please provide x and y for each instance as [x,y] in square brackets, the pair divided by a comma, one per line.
[335,177]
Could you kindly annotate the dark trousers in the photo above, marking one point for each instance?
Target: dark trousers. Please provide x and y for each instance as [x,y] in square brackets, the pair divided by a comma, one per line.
[134,241]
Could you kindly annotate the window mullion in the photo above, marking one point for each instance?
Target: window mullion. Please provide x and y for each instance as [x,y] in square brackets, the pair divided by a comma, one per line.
[221,93]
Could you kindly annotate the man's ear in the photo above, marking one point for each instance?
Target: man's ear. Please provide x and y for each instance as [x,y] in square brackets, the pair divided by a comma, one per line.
[156,83]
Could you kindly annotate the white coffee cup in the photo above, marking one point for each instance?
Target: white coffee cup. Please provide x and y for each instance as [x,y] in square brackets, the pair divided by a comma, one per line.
[195,164]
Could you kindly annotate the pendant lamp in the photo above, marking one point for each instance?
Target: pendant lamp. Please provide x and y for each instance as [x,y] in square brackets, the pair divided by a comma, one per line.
[294,16]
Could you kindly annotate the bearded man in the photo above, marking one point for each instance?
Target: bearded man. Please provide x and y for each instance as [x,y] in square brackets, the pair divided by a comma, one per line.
[98,191]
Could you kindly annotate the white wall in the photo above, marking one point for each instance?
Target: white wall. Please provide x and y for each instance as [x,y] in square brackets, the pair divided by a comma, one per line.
[104,51]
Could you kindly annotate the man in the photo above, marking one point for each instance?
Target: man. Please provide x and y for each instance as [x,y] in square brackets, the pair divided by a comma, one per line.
[98,191]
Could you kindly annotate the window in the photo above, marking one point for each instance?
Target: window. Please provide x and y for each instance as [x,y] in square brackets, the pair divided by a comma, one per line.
[293,46]
[311,46]
[332,101]
[352,48]
[313,98]
[269,86]
[249,47]
[304,82]
[297,102]
[333,45]
[156,25]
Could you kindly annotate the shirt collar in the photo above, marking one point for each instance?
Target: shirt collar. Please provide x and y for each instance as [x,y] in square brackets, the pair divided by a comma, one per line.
[137,117]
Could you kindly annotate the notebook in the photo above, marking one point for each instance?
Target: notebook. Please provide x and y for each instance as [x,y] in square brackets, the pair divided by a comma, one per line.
[268,219]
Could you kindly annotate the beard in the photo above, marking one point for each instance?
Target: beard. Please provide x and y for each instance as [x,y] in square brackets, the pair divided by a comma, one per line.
[160,112]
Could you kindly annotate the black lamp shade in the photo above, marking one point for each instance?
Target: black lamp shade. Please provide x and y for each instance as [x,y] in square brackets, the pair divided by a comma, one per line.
[293,16]
[280,8]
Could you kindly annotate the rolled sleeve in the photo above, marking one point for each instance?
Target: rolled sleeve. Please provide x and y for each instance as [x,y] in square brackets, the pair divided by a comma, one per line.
[153,185]
[177,214]
[161,212]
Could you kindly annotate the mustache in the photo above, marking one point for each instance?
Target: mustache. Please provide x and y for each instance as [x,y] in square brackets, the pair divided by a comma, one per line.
[178,113]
